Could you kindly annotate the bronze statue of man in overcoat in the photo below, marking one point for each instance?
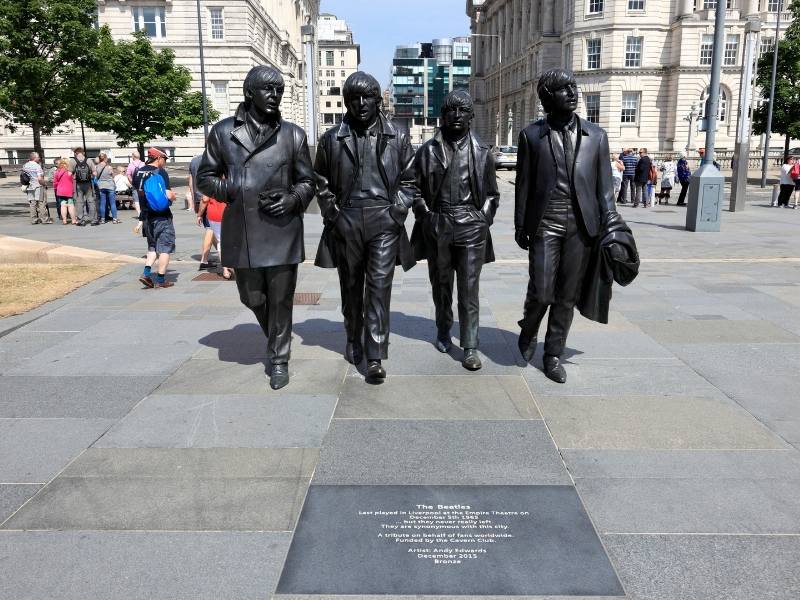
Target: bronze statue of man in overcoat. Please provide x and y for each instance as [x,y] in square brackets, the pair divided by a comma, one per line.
[564,200]
[260,166]
[455,174]
[365,186]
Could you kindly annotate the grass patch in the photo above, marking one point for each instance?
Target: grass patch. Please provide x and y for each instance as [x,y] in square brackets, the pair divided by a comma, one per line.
[26,286]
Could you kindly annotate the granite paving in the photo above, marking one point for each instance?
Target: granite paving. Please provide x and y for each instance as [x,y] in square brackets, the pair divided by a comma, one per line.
[142,453]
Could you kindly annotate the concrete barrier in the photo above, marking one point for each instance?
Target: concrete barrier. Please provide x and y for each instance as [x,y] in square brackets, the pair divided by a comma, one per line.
[22,250]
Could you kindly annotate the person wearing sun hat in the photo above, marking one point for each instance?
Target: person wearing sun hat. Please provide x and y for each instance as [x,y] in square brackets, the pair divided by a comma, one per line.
[154,222]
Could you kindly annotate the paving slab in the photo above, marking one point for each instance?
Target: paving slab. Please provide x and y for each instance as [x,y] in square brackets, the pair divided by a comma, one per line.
[414,452]
[683,464]
[119,565]
[35,450]
[702,567]
[619,378]
[623,346]
[105,397]
[457,397]
[717,332]
[708,505]
[202,498]
[19,347]
[215,421]
[459,539]
[12,496]
[652,422]
[760,377]
[415,359]
[204,377]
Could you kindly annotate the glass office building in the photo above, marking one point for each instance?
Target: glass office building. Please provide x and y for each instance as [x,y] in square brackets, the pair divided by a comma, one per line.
[422,75]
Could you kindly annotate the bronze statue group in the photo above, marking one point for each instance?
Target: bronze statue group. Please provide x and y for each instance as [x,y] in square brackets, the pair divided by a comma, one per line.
[367,178]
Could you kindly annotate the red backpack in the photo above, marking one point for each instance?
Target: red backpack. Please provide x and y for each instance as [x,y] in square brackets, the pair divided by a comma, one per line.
[794,173]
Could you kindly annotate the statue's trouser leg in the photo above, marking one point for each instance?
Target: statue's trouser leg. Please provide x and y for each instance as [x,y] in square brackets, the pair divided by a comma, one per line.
[269,293]
[368,240]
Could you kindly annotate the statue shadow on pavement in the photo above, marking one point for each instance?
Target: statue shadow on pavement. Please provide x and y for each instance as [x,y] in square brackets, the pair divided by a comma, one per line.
[244,343]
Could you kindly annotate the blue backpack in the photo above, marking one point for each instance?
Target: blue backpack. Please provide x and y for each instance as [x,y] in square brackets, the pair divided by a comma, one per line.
[155,191]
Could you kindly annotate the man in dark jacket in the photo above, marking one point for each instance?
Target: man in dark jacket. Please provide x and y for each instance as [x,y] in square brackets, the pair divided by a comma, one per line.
[641,179]
[260,166]
[455,174]
[365,186]
[564,196]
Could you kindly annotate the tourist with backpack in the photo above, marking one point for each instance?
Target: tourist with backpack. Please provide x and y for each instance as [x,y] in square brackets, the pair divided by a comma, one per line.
[32,180]
[151,182]
[86,208]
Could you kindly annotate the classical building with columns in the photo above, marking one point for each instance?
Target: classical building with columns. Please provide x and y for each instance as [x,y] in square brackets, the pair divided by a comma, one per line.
[237,34]
[641,65]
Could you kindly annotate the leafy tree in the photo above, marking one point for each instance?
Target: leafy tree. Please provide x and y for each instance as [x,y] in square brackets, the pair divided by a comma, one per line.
[145,96]
[786,110]
[46,57]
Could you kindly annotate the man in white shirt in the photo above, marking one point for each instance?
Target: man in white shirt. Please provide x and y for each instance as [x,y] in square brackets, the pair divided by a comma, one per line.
[35,191]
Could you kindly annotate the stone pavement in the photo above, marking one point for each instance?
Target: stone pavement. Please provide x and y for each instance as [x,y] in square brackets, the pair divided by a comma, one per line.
[142,454]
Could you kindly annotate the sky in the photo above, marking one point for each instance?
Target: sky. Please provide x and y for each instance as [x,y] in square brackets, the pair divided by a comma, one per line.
[380,25]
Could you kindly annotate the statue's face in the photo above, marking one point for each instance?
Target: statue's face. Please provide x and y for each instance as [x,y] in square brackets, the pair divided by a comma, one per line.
[267,99]
[565,98]
[364,109]
[457,120]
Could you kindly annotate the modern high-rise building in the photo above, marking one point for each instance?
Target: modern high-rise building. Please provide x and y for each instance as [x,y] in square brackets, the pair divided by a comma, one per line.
[237,34]
[422,75]
[643,66]
[338,57]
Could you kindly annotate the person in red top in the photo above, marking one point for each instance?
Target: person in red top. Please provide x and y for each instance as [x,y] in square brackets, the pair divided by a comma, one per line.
[63,187]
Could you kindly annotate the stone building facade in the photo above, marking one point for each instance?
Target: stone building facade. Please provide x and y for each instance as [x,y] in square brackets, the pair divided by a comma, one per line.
[640,64]
[237,34]
[337,58]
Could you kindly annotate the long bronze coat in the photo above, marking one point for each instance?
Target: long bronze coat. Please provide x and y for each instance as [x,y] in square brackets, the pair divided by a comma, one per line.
[250,237]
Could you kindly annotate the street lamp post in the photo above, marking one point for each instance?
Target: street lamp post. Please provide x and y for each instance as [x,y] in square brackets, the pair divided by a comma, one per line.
[202,74]
[765,158]
[500,81]
[690,117]
[706,187]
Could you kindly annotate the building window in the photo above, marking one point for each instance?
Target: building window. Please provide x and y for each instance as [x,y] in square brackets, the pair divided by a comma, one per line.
[217,24]
[706,50]
[592,107]
[766,46]
[329,58]
[774,6]
[633,51]
[635,4]
[722,106]
[595,7]
[568,56]
[593,53]
[731,50]
[327,118]
[569,10]
[341,63]
[219,97]
[149,19]
[344,74]
[630,107]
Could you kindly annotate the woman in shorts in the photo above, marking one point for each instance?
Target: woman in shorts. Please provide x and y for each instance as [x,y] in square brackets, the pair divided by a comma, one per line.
[64,187]
[212,210]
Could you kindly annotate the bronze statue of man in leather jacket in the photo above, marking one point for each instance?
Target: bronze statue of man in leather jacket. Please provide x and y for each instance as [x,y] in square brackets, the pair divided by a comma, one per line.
[365,186]
[564,199]
[456,176]
[260,166]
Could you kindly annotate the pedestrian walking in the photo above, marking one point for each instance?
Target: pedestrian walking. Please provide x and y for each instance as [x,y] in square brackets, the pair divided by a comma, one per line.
[641,178]
[151,182]
[211,211]
[617,171]
[135,163]
[786,181]
[85,201]
[32,177]
[629,171]
[107,187]
[668,173]
[209,239]
[683,173]
[64,188]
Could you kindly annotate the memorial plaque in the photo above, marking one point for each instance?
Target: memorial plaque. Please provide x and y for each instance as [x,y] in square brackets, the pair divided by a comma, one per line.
[446,540]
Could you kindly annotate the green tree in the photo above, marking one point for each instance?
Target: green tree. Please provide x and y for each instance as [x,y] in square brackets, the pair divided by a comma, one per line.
[145,96]
[46,57]
[786,110]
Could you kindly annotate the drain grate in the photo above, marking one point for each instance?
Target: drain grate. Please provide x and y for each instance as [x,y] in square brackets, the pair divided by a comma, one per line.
[208,277]
[307,298]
